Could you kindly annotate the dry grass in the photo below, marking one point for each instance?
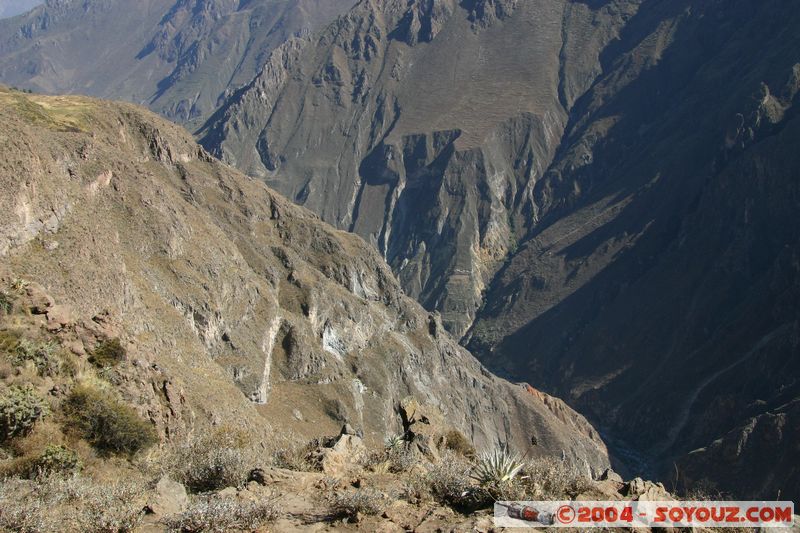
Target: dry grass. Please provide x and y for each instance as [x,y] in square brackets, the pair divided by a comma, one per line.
[56,113]
[292,453]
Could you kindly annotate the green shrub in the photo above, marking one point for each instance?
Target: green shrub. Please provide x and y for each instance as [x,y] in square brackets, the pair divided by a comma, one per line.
[497,475]
[56,459]
[20,408]
[108,353]
[43,355]
[394,442]
[19,284]
[107,423]
[219,515]
[213,462]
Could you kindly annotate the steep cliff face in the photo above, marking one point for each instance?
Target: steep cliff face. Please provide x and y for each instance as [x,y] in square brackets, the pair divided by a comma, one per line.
[765,443]
[422,126]
[253,307]
[179,57]
[660,287]
[597,196]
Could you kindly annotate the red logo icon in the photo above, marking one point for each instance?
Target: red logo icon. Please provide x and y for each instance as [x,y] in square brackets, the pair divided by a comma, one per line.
[565,514]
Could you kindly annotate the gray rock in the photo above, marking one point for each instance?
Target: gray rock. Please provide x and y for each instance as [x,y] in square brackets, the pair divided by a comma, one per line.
[610,475]
[344,456]
[228,492]
[170,498]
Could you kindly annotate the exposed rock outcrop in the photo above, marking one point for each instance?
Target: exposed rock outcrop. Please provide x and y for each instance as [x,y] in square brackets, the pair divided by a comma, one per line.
[422,126]
[238,307]
[661,283]
[598,196]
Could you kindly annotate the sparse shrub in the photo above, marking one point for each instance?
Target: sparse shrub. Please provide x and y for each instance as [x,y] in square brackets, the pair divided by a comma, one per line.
[9,339]
[457,442]
[449,482]
[354,502]
[20,408]
[107,423]
[22,510]
[212,514]
[706,490]
[213,462]
[107,354]
[6,303]
[416,487]
[298,456]
[551,478]
[375,461]
[396,457]
[401,459]
[69,504]
[112,509]
[43,355]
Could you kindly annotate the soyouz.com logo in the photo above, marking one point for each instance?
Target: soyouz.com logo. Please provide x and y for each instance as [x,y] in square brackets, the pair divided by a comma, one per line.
[644,514]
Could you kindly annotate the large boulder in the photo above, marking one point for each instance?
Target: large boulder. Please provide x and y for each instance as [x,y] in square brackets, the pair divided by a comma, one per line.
[343,456]
[170,497]
[639,489]
[424,426]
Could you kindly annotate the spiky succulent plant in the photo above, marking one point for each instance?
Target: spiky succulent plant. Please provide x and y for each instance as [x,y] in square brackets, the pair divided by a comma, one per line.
[496,466]
[394,442]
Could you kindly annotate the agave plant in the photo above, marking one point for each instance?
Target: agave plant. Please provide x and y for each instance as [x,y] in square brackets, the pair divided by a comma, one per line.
[394,442]
[497,466]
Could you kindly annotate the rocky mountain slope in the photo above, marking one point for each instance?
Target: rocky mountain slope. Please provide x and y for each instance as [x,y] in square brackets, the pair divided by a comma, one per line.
[422,127]
[598,196]
[251,309]
[178,57]
[10,8]
[661,284]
